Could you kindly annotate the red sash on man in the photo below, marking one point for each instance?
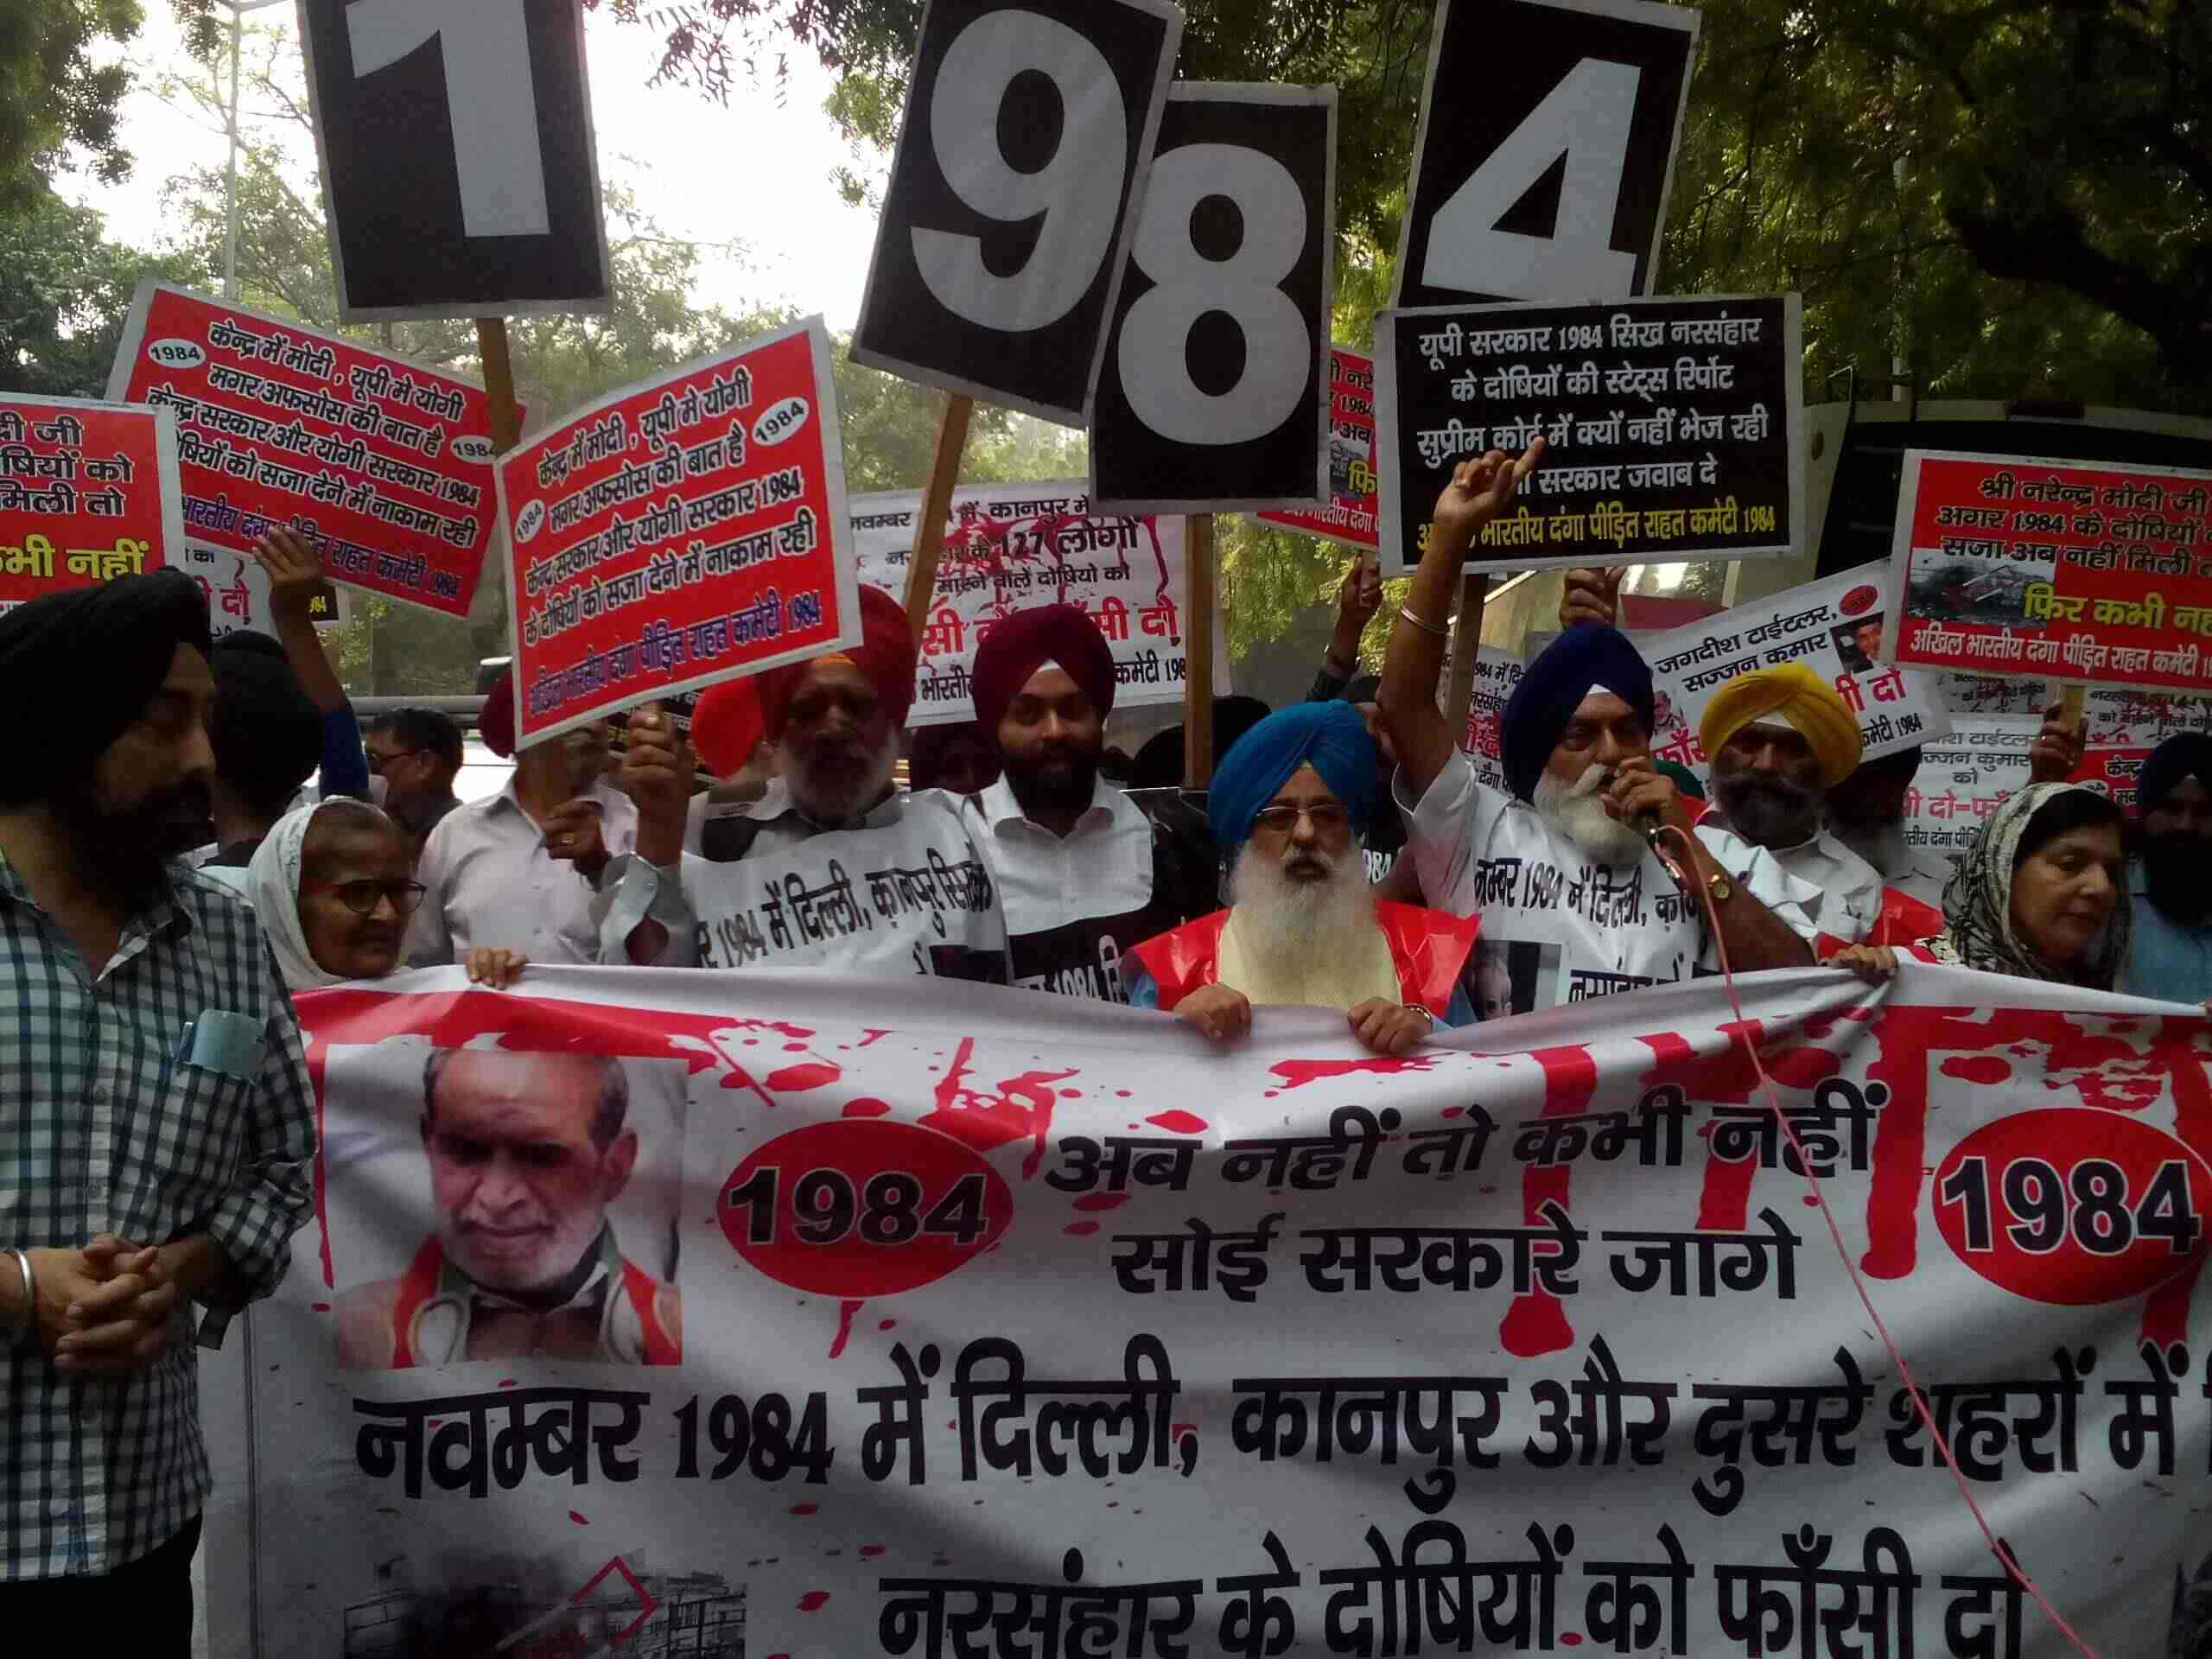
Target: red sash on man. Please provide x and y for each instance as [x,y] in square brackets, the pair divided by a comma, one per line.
[1428,947]
[422,1279]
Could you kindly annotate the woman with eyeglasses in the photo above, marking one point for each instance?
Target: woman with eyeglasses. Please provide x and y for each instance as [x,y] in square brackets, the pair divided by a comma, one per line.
[334,885]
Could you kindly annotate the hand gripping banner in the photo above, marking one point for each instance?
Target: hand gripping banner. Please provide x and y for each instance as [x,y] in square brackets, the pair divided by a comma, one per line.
[717,1314]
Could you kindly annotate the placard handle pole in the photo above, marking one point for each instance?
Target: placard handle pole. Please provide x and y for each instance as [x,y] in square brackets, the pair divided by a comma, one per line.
[498,383]
[1467,630]
[2072,706]
[937,503]
[1197,647]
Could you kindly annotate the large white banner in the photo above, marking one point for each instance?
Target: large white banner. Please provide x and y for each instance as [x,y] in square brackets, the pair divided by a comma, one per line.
[909,1320]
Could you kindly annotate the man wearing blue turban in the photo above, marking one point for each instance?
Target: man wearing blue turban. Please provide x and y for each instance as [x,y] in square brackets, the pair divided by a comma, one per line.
[1304,928]
[1574,902]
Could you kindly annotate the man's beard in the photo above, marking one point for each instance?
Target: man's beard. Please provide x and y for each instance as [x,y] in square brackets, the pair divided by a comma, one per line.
[836,779]
[1766,810]
[2178,876]
[129,845]
[1576,812]
[1881,842]
[1061,776]
[543,1261]
[1302,921]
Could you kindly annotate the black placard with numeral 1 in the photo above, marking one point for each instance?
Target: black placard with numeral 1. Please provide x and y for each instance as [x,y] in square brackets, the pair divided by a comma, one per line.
[1211,394]
[1548,182]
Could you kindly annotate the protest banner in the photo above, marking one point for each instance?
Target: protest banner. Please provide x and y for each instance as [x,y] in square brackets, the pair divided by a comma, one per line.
[1210,395]
[385,466]
[88,493]
[2016,565]
[959,1321]
[237,590]
[1014,547]
[617,593]
[1497,672]
[1672,425]
[995,269]
[1349,517]
[1604,84]
[1964,778]
[1832,626]
[460,173]
[2111,714]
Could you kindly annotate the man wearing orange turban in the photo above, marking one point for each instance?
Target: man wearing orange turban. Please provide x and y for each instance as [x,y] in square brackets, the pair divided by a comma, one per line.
[834,866]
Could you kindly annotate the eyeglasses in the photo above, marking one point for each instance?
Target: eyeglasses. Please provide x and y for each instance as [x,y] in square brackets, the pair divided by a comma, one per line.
[1328,817]
[379,762]
[361,897]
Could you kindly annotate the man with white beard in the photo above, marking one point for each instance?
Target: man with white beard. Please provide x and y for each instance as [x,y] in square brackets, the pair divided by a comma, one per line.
[1303,927]
[1569,894]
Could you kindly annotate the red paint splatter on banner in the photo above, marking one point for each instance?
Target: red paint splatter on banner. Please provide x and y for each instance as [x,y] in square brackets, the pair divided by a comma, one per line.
[794,1048]
[1081,1229]
[1725,1075]
[1536,1323]
[1102,1200]
[1177,1123]
[1452,1111]
[805,1509]
[1021,1109]
[1569,1639]
[888,1324]
[869,1552]
[1802,1068]
[869,1033]
[576,1517]
[845,1309]
[1296,1074]
[813,1601]
[509,1383]
[868,1106]
[795,1079]
[1976,1068]
[1175,1430]
[322,1307]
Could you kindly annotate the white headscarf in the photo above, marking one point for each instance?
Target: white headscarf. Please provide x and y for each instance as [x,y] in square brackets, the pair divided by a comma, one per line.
[272,884]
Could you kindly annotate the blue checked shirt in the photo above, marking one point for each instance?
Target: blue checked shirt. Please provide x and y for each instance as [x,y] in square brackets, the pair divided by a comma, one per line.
[105,1129]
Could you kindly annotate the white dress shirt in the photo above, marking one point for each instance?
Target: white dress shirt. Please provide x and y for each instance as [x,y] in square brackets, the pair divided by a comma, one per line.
[491,881]
[1848,889]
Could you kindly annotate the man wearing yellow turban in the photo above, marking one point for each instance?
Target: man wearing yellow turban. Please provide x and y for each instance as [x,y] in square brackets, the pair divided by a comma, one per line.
[1779,739]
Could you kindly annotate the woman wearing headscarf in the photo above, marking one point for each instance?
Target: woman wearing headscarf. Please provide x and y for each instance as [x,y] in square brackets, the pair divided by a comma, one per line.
[2041,892]
[333,885]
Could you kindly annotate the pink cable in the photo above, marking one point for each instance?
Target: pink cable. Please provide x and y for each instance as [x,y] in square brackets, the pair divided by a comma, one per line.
[1919,1401]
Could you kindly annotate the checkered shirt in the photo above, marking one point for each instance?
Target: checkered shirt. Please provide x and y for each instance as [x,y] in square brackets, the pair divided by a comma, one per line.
[103,1129]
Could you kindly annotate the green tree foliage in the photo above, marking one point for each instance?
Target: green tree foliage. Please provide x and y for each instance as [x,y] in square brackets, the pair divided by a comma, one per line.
[56,96]
[64,289]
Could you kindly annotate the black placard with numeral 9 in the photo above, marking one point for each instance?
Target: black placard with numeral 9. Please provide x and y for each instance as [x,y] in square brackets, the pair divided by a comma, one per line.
[1549,183]
[459,171]
[1209,395]
[1028,130]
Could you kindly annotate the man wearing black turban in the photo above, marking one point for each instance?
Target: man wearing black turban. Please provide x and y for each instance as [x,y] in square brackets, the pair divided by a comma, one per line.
[152,1027]
[1083,873]
[2171,881]
[1574,902]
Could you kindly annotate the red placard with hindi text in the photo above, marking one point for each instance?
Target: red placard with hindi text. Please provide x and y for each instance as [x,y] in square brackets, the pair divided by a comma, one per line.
[2012,565]
[688,530]
[384,464]
[88,491]
[1349,516]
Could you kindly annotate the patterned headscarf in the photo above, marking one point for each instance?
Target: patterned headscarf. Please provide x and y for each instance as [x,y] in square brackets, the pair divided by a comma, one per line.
[1978,901]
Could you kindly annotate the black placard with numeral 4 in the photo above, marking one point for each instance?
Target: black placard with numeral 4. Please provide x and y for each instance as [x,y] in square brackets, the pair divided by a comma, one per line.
[459,171]
[1027,131]
[1211,393]
[1548,182]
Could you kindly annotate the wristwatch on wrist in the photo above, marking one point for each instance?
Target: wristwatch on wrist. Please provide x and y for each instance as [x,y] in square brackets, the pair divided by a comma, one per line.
[1720,887]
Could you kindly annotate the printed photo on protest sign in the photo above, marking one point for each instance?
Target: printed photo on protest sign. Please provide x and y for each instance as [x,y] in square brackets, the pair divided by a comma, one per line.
[688,530]
[1349,516]
[88,493]
[1014,547]
[1672,425]
[1009,212]
[236,589]
[1552,183]
[383,465]
[1965,777]
[2014,565]
[1210,395]
[1479,1347]
[1833,627]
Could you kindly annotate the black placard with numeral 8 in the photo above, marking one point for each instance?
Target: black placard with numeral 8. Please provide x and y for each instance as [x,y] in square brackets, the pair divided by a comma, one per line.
[1548,182]
[1209,395]
[1027,128]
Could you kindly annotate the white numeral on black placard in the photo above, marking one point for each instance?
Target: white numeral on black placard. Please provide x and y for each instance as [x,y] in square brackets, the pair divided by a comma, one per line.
[1586,116]
[1278,345]
[1076,194]
[490,96]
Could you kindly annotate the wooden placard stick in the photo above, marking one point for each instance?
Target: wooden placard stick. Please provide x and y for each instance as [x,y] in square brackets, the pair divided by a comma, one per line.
[498,383]
[2072,707]
[937,502]
[1467,639]
[1198,646]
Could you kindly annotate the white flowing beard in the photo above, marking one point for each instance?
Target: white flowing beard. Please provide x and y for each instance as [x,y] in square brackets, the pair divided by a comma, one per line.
[1299,937]
[834,798]
[1577,813]
[564,1242]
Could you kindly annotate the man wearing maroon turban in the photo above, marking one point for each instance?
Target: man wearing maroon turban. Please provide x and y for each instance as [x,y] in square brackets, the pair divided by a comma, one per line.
[1082,871]
[834,866]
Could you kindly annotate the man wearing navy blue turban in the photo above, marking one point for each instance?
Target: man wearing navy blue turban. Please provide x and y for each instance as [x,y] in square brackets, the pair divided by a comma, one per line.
[1304,928]
[1573,901]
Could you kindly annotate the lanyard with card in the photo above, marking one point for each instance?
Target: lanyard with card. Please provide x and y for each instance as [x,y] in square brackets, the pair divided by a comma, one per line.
[229,1044]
